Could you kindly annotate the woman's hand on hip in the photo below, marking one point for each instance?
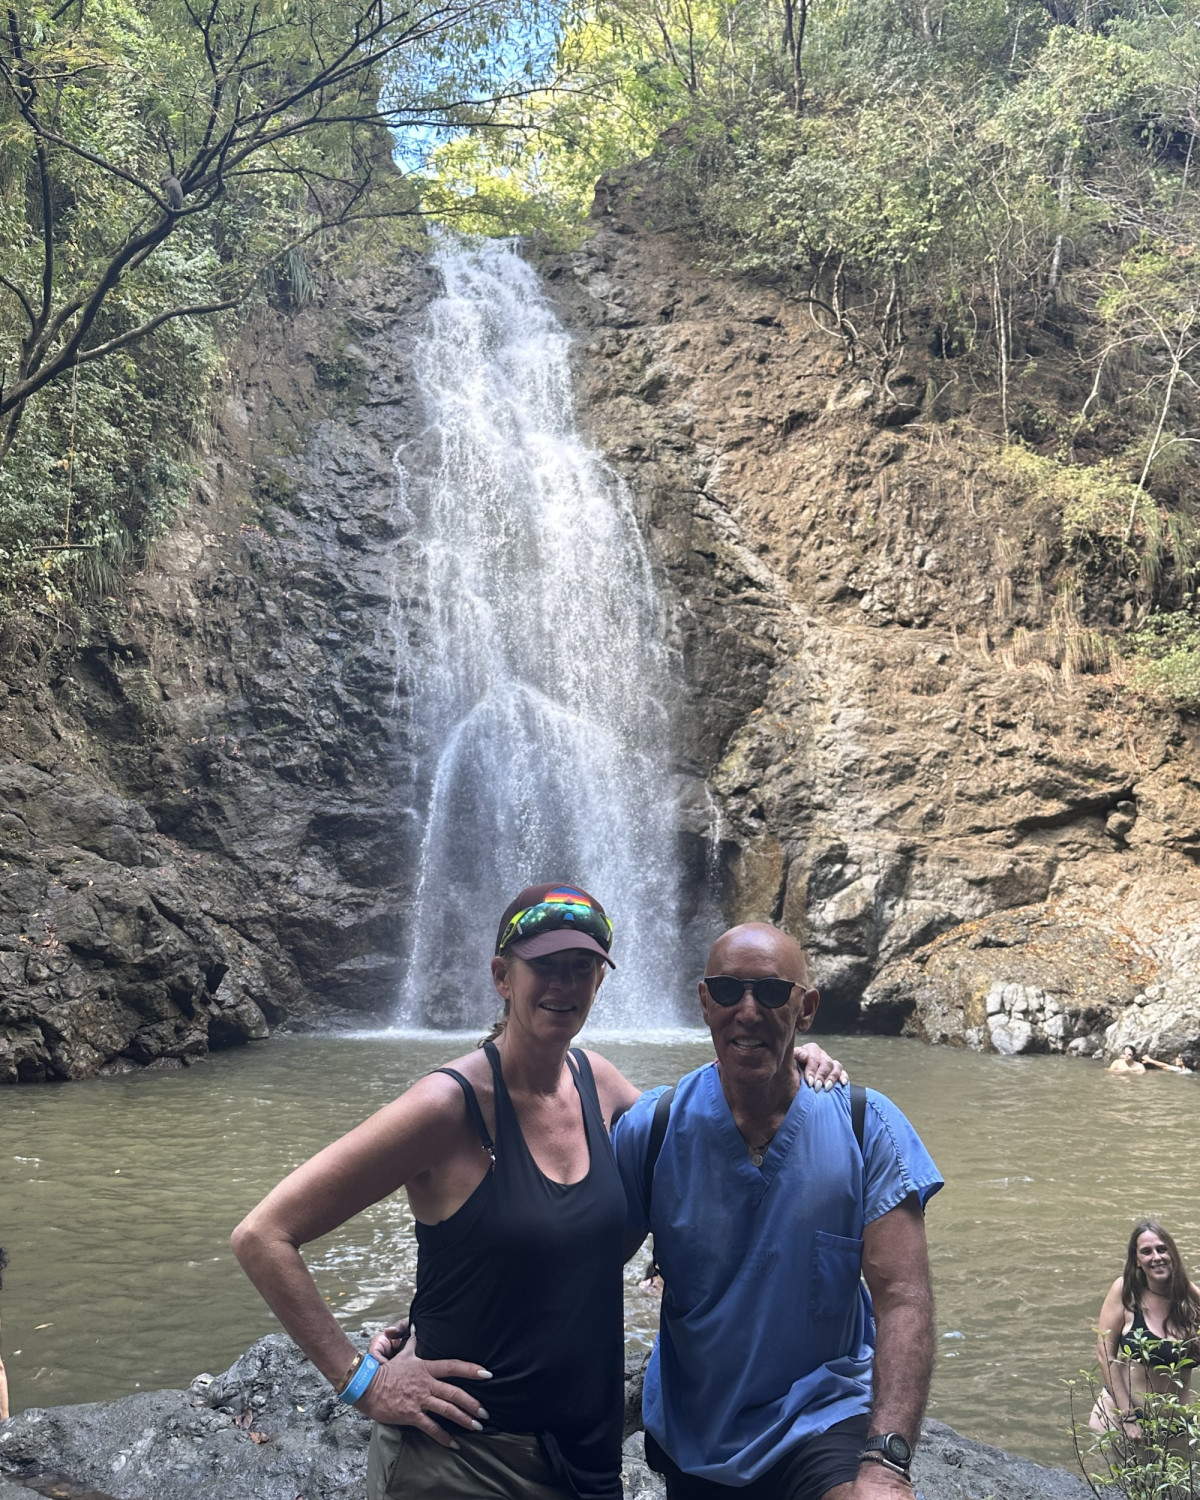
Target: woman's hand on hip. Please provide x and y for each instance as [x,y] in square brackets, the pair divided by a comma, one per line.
[408,1391]
[389,1341]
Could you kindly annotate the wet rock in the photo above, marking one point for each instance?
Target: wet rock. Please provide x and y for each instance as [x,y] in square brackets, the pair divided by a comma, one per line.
[1164,1026]
[948,1466]
[203,783]
[269,1428]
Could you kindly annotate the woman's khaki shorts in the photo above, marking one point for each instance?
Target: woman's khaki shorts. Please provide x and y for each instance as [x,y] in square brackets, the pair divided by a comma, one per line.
[404,1464]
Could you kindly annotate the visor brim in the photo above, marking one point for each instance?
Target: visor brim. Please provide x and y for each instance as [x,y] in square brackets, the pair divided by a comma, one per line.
[561,940]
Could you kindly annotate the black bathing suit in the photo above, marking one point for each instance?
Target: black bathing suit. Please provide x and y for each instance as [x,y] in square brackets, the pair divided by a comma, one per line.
[526,1278]
[1138,1342]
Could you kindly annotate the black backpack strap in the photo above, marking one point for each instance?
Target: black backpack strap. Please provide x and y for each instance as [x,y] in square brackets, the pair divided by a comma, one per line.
[858,1113]
[658,1131]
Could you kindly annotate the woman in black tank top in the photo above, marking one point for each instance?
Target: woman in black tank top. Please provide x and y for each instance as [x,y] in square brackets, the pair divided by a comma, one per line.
[520,1222]
[520,1230]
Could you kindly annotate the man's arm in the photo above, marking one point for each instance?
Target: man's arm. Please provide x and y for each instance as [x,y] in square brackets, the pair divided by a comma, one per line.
[896,1268]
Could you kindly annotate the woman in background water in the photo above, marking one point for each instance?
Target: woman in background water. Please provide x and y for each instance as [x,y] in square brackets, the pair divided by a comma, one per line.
[1149,1332]
[520,1223]
[3,1376]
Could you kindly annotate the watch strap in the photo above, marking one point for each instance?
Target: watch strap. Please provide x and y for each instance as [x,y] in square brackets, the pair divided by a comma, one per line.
[885,1463]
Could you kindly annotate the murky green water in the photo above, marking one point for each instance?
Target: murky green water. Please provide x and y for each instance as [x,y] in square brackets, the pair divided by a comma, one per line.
[117,1198]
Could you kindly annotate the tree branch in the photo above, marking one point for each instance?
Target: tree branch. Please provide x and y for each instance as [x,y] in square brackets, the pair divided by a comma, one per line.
[132,335]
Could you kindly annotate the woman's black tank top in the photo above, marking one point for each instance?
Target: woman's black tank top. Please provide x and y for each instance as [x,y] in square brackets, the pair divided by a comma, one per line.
[526,1278]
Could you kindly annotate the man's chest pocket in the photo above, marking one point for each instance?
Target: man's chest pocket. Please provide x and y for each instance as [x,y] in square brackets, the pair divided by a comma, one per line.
[836,1268]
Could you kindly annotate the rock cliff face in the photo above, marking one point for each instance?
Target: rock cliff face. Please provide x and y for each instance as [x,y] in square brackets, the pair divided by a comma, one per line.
[206,781]
[975,847]
[203,778]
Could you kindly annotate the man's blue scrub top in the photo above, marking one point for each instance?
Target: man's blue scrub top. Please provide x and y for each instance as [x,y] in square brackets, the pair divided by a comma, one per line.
[766,1334]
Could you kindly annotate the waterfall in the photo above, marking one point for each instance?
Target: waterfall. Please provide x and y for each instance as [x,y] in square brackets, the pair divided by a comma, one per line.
[541,698]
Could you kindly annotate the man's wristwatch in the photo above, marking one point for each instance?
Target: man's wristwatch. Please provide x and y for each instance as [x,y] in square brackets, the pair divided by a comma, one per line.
[892,1450]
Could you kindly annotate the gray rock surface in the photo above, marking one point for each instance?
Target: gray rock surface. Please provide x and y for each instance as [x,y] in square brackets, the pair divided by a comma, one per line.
[203,779]
[948,1466]
[270,1429]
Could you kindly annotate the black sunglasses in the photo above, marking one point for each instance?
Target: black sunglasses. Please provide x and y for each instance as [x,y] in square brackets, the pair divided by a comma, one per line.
[726,990]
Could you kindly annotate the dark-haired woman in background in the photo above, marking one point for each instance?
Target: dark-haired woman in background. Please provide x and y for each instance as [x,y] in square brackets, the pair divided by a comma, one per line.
[3,1376]
[1149,1332]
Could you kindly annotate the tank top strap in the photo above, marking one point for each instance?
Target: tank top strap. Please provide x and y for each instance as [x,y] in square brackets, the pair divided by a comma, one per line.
[474,1113]
[582,1069]
[506,1113]
[585,1082]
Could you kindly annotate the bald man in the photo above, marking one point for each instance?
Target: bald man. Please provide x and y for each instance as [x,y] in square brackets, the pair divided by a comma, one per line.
[776,1375]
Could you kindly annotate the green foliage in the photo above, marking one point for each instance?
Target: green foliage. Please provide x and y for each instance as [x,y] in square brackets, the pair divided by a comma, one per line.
[1094,499]
[1164,664]
[98,467]
[622,73]
[163,168]
[1155,1453]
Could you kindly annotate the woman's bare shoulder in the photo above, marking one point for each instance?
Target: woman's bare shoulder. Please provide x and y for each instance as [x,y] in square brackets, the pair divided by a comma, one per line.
[439,1089]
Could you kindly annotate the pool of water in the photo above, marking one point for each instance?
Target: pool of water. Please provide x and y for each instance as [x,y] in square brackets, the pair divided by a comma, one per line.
[117,1197]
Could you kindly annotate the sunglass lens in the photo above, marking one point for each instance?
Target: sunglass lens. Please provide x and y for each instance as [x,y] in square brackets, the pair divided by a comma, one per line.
[724,989]
[772,992]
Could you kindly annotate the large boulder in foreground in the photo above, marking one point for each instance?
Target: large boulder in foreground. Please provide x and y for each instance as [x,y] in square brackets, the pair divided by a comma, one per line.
[269,1428]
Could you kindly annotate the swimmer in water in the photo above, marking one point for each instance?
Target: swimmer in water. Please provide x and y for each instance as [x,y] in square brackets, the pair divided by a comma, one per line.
[1126,1063]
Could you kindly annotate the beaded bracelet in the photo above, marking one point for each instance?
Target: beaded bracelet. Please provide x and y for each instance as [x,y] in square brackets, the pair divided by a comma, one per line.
[362,1372]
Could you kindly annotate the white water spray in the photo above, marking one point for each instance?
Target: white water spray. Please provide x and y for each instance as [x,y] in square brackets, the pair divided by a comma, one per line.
[543,695]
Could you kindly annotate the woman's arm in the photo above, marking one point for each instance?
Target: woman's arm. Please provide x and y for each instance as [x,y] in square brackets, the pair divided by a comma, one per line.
[818,1069]
[1114,1369]
[412,1135]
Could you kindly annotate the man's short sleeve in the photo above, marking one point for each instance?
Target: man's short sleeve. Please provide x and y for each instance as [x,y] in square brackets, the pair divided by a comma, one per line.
[895,1162]
[631,1141]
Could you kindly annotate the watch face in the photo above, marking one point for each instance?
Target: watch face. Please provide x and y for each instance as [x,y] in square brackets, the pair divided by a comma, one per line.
[897,1449]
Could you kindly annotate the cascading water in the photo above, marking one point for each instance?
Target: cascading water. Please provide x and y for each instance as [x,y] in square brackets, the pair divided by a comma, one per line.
[542,695]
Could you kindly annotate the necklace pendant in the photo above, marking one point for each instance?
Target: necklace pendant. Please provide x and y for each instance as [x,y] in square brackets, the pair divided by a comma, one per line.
[756,1158]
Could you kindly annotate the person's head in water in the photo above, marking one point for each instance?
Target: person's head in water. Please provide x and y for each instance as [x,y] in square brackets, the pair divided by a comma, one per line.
[552,951]
[1153,1264]
[755,996]
[1129,1054]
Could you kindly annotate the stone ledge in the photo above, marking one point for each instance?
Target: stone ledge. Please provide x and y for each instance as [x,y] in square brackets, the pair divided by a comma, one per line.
[269,1429]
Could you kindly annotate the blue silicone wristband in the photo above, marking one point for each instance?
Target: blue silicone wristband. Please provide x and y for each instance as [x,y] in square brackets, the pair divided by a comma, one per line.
[361,1380]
